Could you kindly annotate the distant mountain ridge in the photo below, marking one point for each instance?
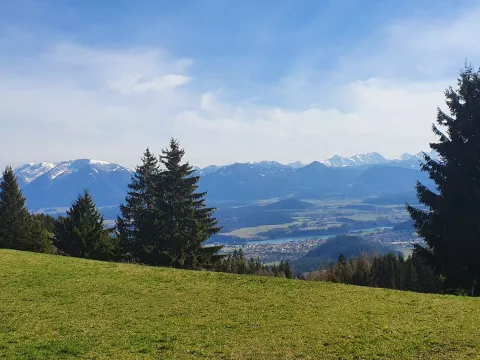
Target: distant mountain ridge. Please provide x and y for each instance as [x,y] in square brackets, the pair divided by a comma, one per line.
[51,185]
[356,160]
[373,158]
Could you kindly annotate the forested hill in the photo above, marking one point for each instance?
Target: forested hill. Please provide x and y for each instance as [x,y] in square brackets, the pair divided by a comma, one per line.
[347,245]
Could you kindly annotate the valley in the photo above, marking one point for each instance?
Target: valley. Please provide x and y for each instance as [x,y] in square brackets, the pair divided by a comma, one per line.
[309,224]
[291,219]
[271,211]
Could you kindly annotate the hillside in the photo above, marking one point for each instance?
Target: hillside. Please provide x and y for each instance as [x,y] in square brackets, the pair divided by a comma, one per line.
[347,245]
[60,308]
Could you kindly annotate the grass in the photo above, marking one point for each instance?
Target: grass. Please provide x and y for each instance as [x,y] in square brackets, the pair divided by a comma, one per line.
[55,307]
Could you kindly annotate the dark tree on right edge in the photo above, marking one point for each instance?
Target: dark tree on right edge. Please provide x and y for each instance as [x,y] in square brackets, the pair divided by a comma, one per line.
[450,225]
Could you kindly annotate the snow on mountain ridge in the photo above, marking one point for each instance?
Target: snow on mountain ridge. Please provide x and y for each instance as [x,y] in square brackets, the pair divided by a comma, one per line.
[355,160]
[405,157]
[31,171]
[99,162]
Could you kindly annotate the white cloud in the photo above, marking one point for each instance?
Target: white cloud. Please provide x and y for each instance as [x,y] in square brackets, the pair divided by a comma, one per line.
[385,116]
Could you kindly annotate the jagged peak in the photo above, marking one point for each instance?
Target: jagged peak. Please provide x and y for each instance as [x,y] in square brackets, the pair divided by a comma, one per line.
[31,171]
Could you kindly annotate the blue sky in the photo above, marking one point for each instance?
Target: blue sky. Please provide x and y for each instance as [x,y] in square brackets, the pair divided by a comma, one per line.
[233,80]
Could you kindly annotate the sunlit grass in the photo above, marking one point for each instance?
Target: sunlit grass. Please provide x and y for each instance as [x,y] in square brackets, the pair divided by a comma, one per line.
[55,307]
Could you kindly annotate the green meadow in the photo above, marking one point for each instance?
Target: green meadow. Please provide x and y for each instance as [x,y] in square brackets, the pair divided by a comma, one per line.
[54,307]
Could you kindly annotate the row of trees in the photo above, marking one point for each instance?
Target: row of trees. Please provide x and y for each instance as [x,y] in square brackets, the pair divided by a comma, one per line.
[237,263]
[386,271]
[164,220]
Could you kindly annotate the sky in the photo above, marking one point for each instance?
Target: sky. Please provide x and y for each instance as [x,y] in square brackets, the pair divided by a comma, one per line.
[233,81]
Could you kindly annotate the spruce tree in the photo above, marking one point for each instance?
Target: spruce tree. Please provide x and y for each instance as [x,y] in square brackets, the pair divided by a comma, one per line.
[342,259]
[450,224]
[82,234]
[136,226]
[186,222]
[14,216]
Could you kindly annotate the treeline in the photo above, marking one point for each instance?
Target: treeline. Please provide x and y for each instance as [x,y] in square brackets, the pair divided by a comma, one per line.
[386,271]
[237,263]
[164,222]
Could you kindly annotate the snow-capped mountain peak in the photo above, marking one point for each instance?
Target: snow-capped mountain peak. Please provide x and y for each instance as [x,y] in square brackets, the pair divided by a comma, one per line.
[267,164]
[355,160]
[29,172]
[98,162]
[296,165]
[418,156]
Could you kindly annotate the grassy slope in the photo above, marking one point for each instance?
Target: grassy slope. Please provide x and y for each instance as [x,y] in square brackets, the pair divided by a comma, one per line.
[58,307]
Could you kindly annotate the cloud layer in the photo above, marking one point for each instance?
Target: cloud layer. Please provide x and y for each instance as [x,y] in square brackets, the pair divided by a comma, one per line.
[68,99]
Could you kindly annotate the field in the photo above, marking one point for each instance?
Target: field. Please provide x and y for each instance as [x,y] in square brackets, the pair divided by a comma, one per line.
[60,308]
[256,222]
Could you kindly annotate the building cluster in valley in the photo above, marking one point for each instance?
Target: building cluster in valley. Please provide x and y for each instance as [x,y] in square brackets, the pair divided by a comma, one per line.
[292,250]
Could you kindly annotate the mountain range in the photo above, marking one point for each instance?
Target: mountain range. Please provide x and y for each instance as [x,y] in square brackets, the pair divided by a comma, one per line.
[368,159]
[56,185]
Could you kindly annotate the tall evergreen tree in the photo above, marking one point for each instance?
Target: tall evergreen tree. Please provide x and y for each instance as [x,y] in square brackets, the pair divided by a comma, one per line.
[136,226]
[14,216]
[38,239]
[451,224]
[186,221]
[82,234]
[342,259]
[18,229]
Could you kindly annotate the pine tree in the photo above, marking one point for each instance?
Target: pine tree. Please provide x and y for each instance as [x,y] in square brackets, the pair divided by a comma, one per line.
[82,234]
[342,259]
[14,216]
[450,226]
[136,226]
[186,222]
